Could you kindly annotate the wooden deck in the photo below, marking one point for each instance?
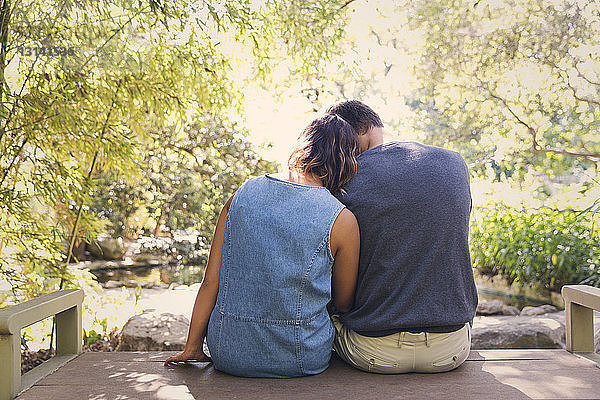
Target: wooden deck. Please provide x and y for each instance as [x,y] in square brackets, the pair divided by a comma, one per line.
[487,374]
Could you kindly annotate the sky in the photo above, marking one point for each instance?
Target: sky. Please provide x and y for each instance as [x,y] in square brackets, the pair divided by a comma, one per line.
[278,119]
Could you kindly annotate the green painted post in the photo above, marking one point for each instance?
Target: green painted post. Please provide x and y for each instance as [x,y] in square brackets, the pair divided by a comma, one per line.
[580,303]
[10,365]
[68,331]
[580,323]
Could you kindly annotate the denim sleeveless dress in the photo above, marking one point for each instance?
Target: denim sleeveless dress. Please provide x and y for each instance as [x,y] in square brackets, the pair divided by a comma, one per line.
[270,319]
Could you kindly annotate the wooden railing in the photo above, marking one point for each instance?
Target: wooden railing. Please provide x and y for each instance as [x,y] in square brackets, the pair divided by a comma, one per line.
[66,306]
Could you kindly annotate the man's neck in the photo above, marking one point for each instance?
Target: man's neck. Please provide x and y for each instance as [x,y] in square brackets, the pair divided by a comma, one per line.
[375,137]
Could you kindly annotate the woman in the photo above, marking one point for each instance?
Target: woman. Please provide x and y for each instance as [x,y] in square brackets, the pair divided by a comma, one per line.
[282,249]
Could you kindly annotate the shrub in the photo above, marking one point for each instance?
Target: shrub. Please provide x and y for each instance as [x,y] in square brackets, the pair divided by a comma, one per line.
[548,247]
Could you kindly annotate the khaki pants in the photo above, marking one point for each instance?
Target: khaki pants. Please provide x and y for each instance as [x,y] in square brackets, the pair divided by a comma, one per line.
[403,352]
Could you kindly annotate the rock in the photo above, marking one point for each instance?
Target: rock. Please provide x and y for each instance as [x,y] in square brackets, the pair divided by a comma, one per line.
[31,359]
[510,310]
[107,248]
[134,284]
[541,310]
[131,283]
[154,331]
[112,284]
[489,307]
[519,332]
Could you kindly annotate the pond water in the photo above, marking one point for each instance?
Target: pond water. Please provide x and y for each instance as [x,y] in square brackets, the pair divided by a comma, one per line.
[509,299]
[487,288]
[167,274]
[497,288]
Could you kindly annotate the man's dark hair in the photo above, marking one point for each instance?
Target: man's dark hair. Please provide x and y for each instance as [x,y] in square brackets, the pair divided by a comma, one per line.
[359,115]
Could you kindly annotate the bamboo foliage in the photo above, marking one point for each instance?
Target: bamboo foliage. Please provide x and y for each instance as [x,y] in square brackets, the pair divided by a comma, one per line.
[83,84]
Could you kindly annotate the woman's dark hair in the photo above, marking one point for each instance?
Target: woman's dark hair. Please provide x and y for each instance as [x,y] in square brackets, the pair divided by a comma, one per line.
[328,148]
[359,115]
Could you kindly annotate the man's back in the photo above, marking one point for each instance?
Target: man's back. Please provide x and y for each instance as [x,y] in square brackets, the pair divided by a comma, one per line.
[412,203]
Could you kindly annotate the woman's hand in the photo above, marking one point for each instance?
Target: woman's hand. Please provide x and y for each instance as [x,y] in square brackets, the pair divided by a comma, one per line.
[205,299]
[188,356]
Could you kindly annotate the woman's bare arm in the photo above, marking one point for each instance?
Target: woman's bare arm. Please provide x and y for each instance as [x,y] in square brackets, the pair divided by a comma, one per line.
[345,247]
[206,298]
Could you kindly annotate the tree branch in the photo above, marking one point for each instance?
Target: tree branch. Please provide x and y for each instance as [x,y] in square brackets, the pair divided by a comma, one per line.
[17,155]
[583,100]
[81,67]
[531,130]
[585,78]
[180,149]
[4,23]
[346,4]
[88,178]
[535,146]
[567,81]
[568,153]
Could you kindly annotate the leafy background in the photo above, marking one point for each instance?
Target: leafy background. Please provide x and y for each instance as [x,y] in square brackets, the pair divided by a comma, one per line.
[140,118]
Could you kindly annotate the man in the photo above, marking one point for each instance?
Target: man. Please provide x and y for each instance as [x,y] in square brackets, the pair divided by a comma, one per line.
[416,296]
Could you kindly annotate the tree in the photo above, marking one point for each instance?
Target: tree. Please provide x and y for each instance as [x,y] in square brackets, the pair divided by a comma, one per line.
[83,84]
[517,77]
[186,178]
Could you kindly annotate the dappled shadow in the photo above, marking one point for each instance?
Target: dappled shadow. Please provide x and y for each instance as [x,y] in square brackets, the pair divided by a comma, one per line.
[343,381]
[485,375]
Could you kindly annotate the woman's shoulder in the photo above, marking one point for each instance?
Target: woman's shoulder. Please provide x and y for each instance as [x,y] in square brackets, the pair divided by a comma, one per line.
[345,230]
[346,219]
[249,188]
[252,182]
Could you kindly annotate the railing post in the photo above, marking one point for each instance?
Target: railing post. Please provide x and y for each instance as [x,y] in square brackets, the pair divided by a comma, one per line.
[10,365]
[580,326]
[580,303]
[68,331]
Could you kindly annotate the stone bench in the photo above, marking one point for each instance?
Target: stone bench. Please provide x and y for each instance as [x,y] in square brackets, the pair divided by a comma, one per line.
[65,305]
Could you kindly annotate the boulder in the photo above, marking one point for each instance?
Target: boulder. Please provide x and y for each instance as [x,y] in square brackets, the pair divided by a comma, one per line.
[112,284]
[518,332]
[489,307]
[541,310]
[510,310]
[107,248]
[154,331]
[134,284]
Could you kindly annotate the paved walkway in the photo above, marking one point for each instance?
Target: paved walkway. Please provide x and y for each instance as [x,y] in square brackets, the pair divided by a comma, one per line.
[487,374]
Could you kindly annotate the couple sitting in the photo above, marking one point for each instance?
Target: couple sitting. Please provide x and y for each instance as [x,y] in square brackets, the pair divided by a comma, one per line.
[289,276]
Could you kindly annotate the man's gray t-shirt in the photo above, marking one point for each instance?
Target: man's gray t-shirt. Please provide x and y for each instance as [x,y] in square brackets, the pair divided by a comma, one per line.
[412,203]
